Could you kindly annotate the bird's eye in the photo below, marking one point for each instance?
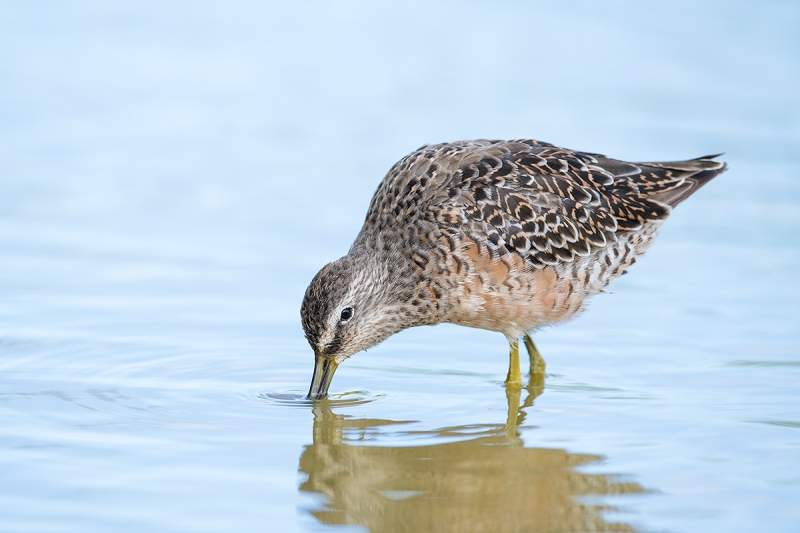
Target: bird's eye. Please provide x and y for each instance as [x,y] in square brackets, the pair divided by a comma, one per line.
[347,314]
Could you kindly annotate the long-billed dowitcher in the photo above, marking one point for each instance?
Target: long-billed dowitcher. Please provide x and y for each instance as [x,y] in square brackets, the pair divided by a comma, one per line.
[507,236]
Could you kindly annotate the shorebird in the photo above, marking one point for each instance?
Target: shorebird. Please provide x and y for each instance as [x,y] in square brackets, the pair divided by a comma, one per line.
[508,236]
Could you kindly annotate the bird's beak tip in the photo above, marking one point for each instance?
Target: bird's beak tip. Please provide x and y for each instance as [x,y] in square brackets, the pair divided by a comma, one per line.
[324,368]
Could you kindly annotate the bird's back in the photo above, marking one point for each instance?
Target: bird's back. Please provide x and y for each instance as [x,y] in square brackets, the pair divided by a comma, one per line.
[511,235]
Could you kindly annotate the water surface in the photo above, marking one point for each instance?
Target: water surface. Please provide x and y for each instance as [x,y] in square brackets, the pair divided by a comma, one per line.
[172,176]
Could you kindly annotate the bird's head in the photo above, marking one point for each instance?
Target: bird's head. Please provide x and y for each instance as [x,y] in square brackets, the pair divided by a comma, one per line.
[349,306]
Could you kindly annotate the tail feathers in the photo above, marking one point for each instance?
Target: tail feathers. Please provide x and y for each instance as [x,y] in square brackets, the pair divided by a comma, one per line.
[672,182]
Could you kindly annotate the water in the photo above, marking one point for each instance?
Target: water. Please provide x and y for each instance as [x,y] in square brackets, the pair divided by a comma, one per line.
[172,176]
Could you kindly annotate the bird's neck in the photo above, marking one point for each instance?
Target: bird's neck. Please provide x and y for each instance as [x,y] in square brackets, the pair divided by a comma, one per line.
[401,287]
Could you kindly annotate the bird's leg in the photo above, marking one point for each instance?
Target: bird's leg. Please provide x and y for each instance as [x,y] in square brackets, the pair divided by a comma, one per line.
[514,378]
[516,413]
[537,361]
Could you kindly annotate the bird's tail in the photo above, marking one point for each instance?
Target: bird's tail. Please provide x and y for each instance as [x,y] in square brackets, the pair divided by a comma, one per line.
[672,182]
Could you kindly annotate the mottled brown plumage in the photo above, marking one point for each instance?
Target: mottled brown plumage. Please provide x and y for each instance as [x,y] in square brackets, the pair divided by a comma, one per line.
[507,236]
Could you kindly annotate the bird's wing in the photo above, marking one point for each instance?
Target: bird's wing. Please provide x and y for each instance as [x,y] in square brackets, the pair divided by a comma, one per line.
[545,203]
[550,204]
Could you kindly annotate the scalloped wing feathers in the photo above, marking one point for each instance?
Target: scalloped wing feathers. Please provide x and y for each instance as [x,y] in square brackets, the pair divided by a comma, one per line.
[547,204]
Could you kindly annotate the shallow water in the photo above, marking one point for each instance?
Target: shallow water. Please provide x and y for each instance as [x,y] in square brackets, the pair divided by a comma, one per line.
[172,177]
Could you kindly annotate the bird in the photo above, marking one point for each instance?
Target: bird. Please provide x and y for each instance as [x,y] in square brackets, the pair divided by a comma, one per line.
[503,235]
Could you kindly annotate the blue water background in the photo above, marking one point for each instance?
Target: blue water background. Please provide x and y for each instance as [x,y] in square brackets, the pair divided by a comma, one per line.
[173,174]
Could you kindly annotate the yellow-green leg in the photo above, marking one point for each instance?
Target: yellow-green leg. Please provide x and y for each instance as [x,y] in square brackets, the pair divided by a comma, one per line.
[514,378]
[537,361]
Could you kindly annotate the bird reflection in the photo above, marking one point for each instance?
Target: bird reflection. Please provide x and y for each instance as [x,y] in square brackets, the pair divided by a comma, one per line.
[487,481]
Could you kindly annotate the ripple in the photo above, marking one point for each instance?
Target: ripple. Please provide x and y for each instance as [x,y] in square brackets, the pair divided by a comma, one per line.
[296,398]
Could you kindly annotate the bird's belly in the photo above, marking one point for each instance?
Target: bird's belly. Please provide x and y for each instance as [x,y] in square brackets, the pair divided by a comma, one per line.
[523,300]
[507,295]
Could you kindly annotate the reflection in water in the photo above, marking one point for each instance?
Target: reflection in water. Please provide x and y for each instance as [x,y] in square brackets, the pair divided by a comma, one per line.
[487,482]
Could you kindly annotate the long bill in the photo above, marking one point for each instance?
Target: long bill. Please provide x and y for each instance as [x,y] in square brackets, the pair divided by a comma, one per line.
[324,368]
